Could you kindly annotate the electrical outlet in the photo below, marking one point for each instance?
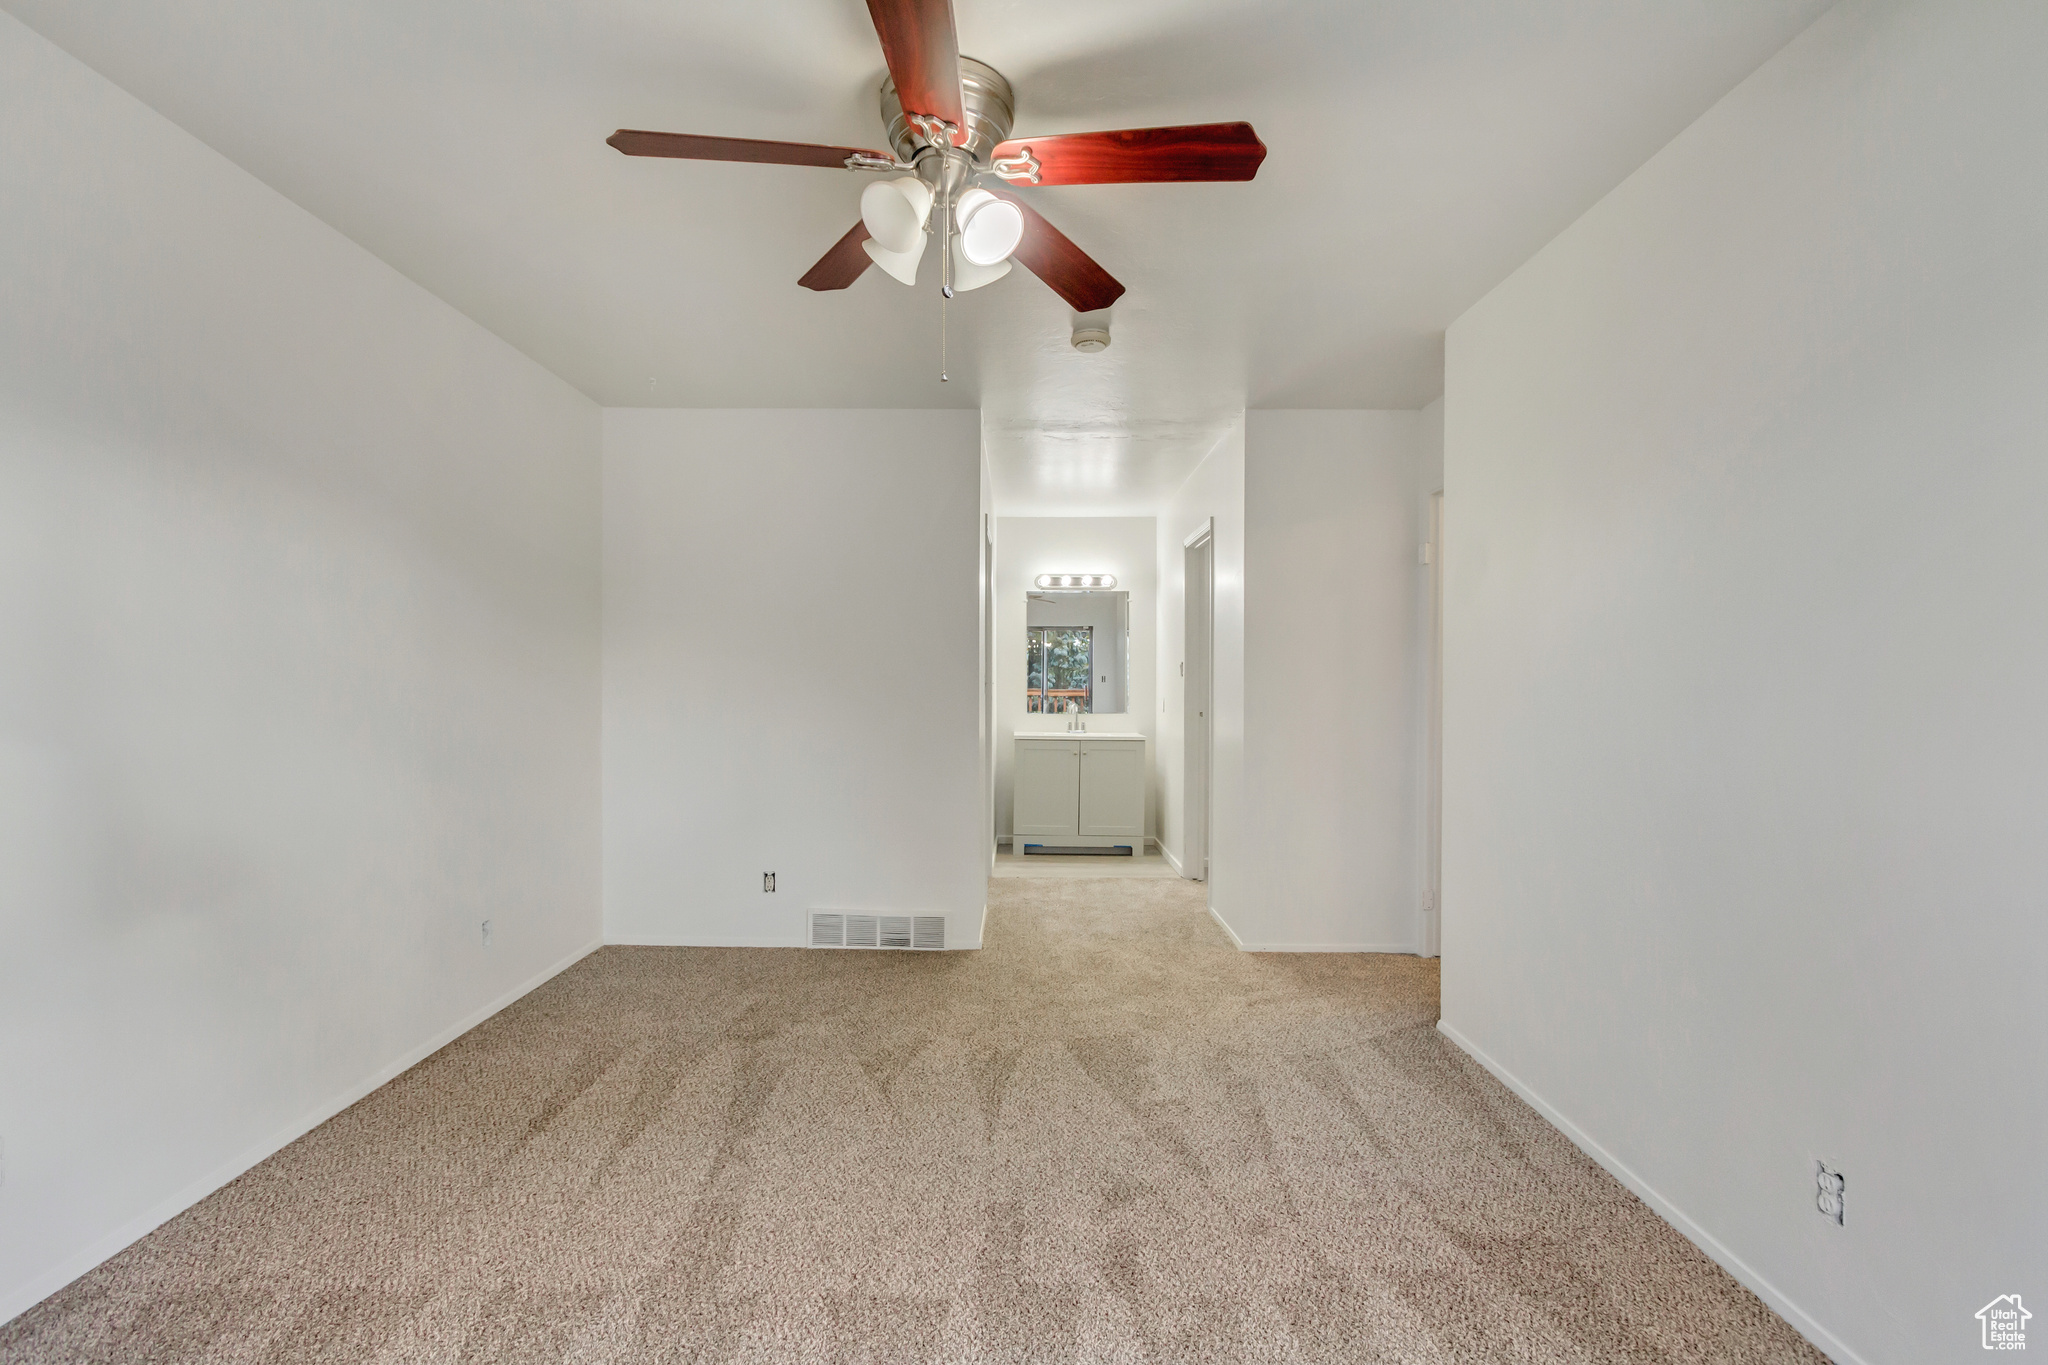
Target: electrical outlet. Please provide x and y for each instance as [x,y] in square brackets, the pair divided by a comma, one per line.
[1828,1187]
[487,933]
[767,881]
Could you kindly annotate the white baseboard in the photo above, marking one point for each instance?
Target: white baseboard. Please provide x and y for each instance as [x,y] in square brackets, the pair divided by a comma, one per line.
[1802,1321]
[1404,949]
[1235,941]
[681,941]
[800,936]
[120,1239]
[1171,861]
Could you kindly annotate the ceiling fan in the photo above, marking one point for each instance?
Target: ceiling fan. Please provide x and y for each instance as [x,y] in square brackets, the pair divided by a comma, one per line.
[948,119]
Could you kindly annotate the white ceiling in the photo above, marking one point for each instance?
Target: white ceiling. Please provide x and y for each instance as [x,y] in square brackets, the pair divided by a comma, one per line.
[1419,151]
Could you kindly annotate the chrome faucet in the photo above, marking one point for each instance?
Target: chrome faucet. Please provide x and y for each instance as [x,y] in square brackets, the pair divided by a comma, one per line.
[1074,721]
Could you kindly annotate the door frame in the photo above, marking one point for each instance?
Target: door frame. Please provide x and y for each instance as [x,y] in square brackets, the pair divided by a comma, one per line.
[1433,760]
[991,707]
[1198,696]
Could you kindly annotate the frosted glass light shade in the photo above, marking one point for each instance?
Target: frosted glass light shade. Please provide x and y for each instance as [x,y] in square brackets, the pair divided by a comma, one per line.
[901,265]
[971,275]
[895,210]
[990,228]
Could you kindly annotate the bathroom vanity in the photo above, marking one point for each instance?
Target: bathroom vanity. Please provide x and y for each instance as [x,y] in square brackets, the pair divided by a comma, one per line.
[1079,790]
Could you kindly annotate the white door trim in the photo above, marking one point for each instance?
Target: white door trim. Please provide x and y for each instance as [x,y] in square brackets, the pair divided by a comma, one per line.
[1197,724]
[1431,936]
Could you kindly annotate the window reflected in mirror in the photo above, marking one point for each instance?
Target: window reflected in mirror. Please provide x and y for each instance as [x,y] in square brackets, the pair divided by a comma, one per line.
[1061,663]
[1076,652]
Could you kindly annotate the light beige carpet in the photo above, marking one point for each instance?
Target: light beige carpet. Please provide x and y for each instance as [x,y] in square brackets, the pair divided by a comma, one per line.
[1105,1137]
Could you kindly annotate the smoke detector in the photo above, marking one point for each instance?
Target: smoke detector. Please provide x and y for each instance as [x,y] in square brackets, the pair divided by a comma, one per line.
[1091,339]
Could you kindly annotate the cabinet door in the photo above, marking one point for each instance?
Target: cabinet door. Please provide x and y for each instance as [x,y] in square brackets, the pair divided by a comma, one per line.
[1113,788]
[1046,788]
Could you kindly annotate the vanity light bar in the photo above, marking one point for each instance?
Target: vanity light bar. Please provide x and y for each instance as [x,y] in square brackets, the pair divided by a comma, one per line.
[1077,580]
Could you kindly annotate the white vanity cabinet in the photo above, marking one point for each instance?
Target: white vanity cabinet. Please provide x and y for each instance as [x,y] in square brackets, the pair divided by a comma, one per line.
[1045,791]
[1079,790]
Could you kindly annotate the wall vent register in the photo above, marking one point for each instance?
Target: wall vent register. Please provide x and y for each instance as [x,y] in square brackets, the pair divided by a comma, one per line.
[836,929]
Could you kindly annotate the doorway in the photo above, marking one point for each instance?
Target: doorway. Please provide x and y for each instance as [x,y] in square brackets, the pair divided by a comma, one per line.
[1200,603]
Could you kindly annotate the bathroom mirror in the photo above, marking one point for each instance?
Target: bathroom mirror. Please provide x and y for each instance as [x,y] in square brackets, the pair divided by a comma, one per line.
[1077,652]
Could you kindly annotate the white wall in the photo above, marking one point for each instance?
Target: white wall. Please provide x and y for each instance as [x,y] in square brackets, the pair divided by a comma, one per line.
[1029,546]
[298,670]
[1316,796]
[753,562]
[1215,490]
[1333,699]
[1746,755]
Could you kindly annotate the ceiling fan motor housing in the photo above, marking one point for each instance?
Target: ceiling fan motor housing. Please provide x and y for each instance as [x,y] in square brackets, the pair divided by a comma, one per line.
[984,93]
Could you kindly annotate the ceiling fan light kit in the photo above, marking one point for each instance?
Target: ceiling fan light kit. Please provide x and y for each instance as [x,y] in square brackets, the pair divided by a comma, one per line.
[947,119]
[898,265]
[895,212]
[973,274]
[990,228]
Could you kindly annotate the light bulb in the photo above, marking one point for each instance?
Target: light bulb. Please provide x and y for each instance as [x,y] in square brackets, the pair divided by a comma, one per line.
[895,210]
[967,275]
[990,228]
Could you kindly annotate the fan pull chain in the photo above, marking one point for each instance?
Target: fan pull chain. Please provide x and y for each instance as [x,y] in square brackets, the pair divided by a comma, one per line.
[945,265]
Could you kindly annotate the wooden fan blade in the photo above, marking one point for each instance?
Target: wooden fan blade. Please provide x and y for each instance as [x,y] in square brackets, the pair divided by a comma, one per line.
[1200,151]
[842,265]
[690,147]
[1051,255]
[923,52]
